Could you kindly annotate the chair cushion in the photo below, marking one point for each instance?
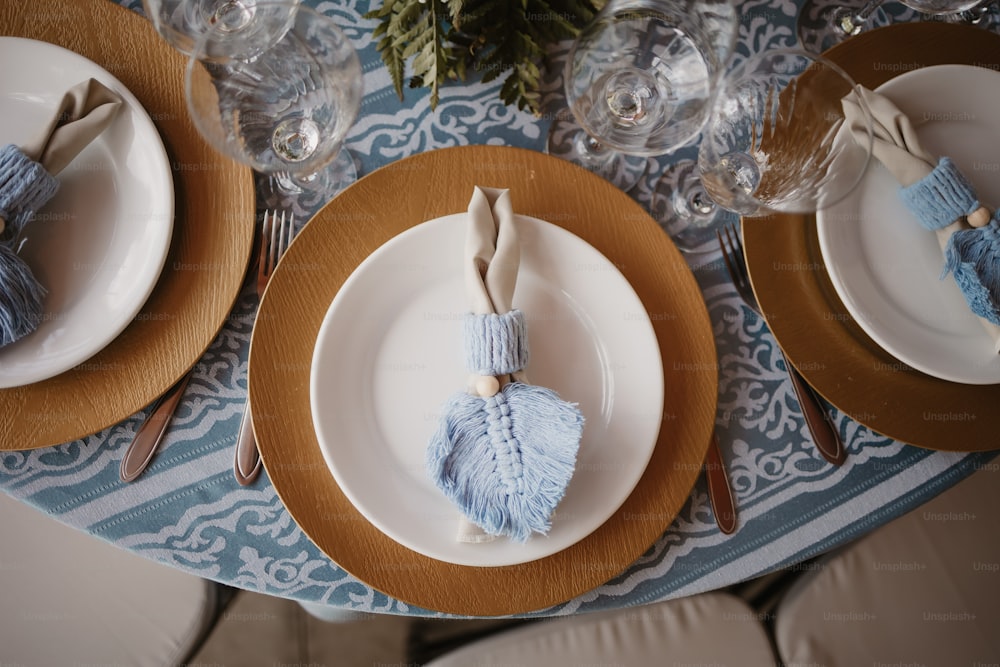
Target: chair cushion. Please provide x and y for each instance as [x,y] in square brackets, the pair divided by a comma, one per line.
[922,590]
[68,598]
[710,629]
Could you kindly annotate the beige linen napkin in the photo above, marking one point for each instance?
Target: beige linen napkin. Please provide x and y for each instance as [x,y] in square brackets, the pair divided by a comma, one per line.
[897,146]
[492,258]
[84,112]
[504,451]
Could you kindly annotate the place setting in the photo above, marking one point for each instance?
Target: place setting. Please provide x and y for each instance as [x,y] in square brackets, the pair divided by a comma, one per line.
[138,279]
[348,392]
[882,329]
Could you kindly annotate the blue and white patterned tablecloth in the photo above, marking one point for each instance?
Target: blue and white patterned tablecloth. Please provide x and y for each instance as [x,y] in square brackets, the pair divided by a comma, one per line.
[188,511]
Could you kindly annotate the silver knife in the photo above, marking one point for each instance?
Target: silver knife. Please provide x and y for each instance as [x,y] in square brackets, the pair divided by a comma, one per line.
[246,459]
[720,493]
[147,438]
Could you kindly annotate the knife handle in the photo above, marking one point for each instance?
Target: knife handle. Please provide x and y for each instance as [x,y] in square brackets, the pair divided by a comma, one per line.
[720,493]
[246,463]
[140,451]
[823,432]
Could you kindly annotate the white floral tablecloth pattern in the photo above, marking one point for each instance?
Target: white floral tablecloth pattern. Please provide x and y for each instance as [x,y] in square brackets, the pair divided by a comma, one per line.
[188,511]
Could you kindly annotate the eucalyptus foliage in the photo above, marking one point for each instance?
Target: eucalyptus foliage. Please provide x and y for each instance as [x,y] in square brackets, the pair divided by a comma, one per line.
[445,40]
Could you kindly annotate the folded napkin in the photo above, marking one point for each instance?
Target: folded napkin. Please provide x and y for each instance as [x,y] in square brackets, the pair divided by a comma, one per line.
[28,181]
[943,201]
[504,451]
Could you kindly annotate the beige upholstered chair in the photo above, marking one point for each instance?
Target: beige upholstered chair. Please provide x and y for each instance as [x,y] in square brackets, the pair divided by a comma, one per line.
[715,629]
[922,590]
[67,598]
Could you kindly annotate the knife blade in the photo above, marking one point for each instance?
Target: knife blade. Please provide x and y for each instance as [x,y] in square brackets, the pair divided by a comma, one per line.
[147,439]
[720,493]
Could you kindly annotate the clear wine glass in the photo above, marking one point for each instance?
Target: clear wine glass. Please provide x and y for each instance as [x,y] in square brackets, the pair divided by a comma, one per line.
[242,25]
[776,142]
[822,24]
[985,15]
[286,108]
[639,81]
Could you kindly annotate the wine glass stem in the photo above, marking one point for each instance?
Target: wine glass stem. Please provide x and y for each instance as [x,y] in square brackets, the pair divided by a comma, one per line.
[592,150]
[978,13]
[852,22]
[232,15]
[700,203]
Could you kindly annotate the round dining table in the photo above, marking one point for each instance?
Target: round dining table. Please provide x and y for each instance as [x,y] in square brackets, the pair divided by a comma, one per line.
[188,511]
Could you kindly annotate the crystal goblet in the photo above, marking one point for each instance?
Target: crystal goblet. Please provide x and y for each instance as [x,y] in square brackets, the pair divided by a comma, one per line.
[286,108]
[639,81]
[776,141]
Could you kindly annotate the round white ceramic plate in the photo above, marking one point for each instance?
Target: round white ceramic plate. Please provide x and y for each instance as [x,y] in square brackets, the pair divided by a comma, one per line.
[885,266]
[99,245]
[389,353]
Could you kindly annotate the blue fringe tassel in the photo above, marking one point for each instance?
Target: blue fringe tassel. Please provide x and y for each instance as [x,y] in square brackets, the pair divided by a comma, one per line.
[25,187]
[505,461]
[973,257]
[20,298]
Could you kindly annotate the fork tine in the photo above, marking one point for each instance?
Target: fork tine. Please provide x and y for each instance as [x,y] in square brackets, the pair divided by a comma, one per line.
[275,244]
[732,254]
[723,244]
[286,234]
[263,249]
[736,248]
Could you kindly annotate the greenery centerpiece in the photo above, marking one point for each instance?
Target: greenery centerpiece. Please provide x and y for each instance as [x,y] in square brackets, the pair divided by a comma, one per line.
[446,39]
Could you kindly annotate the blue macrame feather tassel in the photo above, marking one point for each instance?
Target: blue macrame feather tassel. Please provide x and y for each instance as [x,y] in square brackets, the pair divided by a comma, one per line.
[25,186]
[505,460]
[972,256]
[20,298]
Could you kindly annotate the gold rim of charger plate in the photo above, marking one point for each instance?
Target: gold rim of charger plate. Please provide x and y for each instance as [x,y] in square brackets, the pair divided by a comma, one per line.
[374,210]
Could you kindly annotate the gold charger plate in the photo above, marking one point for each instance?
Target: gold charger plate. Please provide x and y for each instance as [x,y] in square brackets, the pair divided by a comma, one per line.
[359,221]
[809,320]
[209,250]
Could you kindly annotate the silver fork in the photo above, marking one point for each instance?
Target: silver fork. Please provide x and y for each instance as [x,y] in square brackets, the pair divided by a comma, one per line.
[275,236]
[818,420]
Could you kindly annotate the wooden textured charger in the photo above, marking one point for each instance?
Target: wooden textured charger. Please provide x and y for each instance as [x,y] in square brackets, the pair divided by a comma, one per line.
[376,209]
[809,320]
[209,249]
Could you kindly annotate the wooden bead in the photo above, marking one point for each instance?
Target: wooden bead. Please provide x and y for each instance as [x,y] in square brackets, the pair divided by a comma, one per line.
[979,218]
[487,385]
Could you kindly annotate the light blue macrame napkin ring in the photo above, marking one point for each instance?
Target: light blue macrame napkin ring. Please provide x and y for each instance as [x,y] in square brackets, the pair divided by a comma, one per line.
[972,255]
[504,459]
[941,197]
[495,344]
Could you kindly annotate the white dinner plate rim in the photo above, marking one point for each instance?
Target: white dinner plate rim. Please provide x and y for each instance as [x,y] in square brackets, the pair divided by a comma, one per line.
[480,555]
[156,234]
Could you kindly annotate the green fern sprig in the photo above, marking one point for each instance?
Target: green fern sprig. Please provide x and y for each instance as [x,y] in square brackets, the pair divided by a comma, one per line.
[417,30]
[444,39]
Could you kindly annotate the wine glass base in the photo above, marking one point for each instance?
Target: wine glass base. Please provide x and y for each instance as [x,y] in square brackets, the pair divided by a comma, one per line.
[986,16]
[820,23]
[569,141]
[324,184]
[685,211]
